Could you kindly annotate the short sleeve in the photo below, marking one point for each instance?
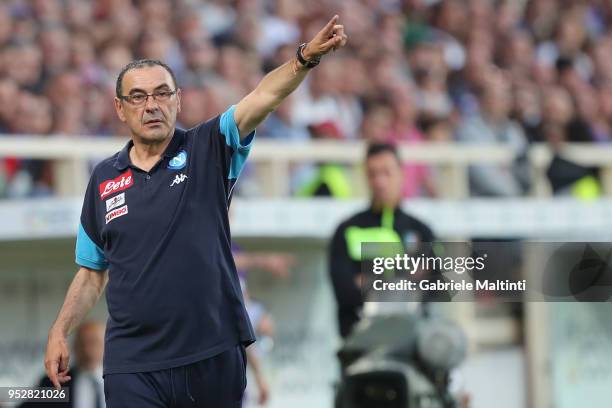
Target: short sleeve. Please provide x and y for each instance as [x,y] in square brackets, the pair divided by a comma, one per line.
[88,253]
[240,148]
[88,250]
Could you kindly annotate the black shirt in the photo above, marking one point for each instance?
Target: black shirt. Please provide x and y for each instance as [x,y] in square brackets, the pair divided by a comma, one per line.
[343,267]
[173,293]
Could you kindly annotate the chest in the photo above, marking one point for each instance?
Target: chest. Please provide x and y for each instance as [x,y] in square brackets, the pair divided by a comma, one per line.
[175,189]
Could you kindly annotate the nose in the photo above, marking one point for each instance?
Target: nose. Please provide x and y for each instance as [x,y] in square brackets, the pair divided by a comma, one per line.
[151,104]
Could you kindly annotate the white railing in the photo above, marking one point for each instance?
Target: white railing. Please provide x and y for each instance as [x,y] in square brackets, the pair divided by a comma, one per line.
[72,154]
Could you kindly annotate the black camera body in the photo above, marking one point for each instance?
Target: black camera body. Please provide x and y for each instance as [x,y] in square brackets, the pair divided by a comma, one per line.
[400,361]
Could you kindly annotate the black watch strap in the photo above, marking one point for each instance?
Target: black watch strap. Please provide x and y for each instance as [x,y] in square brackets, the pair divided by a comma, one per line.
[307,63]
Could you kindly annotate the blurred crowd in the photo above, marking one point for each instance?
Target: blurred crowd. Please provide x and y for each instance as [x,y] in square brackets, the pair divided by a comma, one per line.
[476,71]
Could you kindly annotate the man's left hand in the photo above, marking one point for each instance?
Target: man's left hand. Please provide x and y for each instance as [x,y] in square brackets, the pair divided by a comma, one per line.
[331,37]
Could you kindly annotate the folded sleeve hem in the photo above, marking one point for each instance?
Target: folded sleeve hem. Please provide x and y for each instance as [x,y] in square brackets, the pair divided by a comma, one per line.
[229,129]
[88,263]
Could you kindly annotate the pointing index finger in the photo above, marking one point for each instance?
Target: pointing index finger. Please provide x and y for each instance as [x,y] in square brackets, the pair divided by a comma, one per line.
[330,25]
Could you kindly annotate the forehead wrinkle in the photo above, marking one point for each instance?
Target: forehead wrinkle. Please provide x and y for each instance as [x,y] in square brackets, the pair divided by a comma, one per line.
[164,85]
[146,79]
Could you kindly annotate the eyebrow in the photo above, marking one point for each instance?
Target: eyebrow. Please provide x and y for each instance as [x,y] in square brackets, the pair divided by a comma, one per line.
[138,90]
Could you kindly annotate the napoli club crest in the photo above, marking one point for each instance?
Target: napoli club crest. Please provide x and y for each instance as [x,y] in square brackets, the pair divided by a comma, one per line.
[179,161]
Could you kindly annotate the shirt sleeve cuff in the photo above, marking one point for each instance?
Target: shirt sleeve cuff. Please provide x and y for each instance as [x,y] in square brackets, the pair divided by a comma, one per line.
[229,129]
[87,263]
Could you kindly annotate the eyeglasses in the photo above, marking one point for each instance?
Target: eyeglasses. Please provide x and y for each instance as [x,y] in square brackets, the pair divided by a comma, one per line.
[141,98]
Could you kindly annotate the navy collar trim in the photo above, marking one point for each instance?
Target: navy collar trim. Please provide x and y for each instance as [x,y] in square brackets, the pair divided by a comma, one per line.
[123,158]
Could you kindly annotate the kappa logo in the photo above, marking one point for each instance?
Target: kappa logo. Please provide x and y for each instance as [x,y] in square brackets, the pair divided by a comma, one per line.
[115,201]
[121,182]
[116,213]
[179,161]
[178,179]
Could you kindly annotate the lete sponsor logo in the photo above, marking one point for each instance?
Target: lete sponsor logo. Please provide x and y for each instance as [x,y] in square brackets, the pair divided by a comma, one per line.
[115,201]
[122,182]
[116,213]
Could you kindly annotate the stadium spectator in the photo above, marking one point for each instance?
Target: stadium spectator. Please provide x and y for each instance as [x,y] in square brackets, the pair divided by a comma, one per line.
[489,127]
[442,51]
[278,265]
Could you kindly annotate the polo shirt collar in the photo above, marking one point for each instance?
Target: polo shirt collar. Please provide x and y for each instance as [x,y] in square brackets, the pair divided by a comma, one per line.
[123,158]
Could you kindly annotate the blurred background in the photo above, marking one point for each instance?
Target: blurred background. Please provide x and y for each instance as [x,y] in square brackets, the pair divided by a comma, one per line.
[501,111]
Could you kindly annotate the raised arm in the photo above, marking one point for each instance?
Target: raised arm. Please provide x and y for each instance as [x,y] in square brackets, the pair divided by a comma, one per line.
[84,292]
[279,83]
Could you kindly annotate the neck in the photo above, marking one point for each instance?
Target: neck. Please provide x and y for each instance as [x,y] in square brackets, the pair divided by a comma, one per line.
[379,205]
[145,154]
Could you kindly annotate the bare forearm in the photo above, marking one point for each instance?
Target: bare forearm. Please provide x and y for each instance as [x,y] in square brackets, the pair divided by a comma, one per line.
[268,94]
[278,84]
[83,293]
[253,361]
[282,81]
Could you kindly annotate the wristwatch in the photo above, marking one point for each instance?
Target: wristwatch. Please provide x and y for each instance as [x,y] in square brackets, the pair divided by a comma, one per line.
[307,63]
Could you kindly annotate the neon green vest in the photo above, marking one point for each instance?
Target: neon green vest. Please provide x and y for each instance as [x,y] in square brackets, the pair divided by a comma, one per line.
[334,177]
[355,236]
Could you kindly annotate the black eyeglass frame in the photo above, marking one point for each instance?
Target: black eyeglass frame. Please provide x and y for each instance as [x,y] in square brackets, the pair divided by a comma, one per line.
[163,94]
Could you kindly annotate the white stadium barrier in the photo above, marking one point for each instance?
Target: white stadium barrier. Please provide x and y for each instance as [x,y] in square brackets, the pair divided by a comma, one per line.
[71,156]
